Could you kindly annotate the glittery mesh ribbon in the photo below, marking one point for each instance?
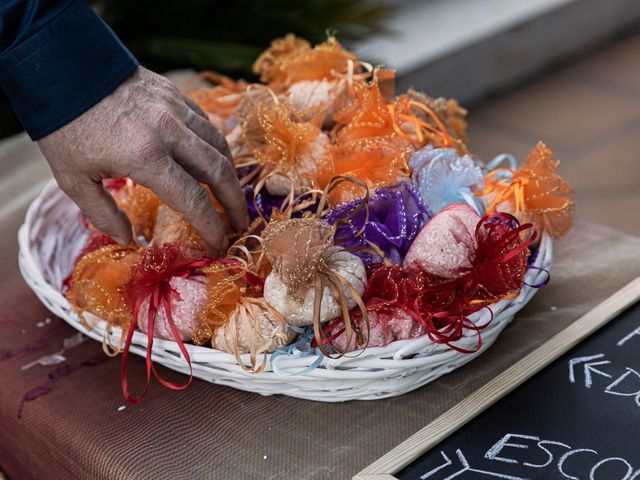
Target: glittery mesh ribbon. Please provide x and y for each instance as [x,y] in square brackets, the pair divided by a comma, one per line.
[290,59]
[378,162]
[95,240]
[391,220]
[149,279]
[287,136]
[298,249]
[365,116]
[285,141]
[535,192]
[500,259]
[223,294]
[371,111]
[97,285]
[221,98]
[234,294]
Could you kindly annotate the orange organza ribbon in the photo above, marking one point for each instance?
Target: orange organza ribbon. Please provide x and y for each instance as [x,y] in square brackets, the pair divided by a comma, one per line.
[141,206]
[290,59]
[372,112]
[536,191]
[286,142]
[97,285]
[221,98]
[365,116]
[235,297]
[376,162]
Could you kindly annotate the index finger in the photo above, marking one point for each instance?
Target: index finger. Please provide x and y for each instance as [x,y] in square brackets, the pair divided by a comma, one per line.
[207,165]
[200,125]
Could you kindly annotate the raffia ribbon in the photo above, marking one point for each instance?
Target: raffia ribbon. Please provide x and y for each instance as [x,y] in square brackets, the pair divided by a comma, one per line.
[298,250]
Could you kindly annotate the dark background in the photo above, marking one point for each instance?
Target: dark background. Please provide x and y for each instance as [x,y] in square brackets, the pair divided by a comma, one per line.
[223,35]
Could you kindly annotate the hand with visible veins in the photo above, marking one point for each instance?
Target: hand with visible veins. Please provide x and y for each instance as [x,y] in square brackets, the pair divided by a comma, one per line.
[149,131]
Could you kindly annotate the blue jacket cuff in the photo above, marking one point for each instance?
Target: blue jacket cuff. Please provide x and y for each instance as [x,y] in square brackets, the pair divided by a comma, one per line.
[63,69]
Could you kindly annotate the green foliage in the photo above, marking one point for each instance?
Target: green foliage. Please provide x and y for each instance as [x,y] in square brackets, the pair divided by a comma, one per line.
[227,35]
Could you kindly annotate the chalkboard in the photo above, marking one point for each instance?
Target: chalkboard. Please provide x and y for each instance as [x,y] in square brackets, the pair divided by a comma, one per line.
[576,418]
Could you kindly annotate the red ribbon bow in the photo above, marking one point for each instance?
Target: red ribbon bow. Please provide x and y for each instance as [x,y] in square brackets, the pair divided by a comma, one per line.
[442,306]
[150,279]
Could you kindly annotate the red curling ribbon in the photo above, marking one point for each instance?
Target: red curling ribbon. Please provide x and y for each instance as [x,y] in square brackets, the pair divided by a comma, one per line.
[442,306]
[150,279]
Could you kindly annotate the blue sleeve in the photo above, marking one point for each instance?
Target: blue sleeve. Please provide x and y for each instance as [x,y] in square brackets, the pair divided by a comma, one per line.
[57,60]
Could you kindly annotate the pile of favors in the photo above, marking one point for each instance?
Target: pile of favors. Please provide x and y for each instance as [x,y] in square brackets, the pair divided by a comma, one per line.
[371,222]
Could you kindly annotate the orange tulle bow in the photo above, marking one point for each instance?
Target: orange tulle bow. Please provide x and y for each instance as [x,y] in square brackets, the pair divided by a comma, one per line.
[371,111]
[97,286]
[534,192]
[365,115]
[236,319]
[287,143]
[377,162]
[140,204]
[219,99]
[290,59]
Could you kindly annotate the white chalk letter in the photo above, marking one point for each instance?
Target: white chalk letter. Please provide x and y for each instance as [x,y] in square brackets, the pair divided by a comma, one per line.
[550,455]
[569,454]
[633,375]
[635,333]
[492,453]
[592,474]
[589,368]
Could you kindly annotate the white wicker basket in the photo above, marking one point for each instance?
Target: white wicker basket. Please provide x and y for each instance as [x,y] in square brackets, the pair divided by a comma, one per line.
[53,234]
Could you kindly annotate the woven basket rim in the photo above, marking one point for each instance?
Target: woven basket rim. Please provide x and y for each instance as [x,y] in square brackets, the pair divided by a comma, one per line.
[38,245]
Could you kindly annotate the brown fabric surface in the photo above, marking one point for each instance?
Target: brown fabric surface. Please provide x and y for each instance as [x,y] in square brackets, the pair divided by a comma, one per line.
[211,431]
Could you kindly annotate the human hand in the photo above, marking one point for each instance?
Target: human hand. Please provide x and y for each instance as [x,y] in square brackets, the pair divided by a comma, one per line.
[149,131]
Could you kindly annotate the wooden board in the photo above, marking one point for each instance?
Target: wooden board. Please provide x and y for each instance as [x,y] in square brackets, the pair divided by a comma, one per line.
[433,434]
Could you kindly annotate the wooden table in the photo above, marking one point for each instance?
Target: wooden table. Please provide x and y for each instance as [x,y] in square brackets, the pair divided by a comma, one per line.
[80,428]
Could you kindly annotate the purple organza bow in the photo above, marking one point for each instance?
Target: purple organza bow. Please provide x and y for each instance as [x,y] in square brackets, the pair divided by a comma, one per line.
[396,215]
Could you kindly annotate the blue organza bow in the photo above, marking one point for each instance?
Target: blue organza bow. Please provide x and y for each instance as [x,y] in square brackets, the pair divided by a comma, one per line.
[443,177]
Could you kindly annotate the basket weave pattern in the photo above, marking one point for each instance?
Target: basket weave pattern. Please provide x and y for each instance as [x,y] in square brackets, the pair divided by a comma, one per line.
[53,234]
